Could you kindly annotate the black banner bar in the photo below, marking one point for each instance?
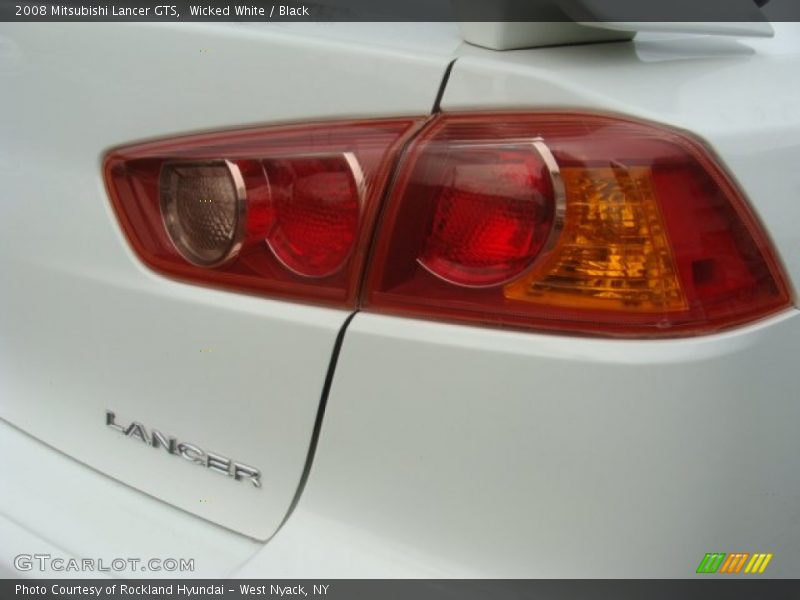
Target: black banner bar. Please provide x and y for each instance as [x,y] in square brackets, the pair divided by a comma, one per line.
[403,10]
[448,589]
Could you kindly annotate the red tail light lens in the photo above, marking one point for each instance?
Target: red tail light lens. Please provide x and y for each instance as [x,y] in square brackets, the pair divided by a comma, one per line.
[317,202]
[570,222]
[286,211]
[567,222]
[493,208]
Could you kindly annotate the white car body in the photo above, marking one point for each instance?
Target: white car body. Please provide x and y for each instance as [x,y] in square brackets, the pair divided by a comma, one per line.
[441,450]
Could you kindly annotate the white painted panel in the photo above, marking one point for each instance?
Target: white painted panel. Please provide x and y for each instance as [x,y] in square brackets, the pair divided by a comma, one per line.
[53,505]
[84,327]
[462,451]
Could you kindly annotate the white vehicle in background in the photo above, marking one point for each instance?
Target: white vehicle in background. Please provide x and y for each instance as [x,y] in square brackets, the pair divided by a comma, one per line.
[366,300]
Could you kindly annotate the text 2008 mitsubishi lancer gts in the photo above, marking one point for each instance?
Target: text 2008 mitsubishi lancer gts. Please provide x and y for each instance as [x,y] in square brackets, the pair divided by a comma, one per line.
[400,299]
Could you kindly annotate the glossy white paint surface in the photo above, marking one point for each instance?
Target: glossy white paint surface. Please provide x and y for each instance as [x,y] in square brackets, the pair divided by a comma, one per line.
[460,451]
[509,454]
[85,327]
[67,510]
[445,450]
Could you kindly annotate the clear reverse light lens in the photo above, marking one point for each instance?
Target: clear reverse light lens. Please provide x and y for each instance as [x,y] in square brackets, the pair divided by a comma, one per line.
[203,206]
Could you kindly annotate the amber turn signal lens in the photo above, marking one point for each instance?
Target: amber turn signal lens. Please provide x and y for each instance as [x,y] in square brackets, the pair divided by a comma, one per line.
[613,253]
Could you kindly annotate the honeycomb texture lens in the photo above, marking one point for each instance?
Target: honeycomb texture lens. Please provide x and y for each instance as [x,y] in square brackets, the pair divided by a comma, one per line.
[492,214]
[317,200]
[201,204]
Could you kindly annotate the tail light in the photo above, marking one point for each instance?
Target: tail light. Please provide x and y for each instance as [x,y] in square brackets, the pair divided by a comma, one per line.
[568,222]
[282,211]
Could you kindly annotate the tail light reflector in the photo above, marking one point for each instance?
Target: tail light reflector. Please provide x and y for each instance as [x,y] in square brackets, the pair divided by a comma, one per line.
[567,222]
